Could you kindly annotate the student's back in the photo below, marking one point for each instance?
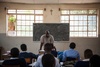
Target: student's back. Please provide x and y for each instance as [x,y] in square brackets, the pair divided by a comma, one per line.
[82,64]
[95,61]
[14,60]
[85,63]
[20,62]
[71,53]
[25,54]
[48,60]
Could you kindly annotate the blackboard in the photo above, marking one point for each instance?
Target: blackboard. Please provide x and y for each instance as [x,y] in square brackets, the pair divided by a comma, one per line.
[60,31]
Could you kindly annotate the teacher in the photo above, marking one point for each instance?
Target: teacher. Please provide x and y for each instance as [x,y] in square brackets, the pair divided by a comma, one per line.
[46,38]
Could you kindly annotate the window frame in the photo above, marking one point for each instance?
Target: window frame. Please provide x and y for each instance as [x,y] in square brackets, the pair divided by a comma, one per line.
[20,14]
[69,21]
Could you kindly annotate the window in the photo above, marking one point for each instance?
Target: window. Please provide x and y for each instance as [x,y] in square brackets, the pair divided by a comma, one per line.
[83,23]
[20,22]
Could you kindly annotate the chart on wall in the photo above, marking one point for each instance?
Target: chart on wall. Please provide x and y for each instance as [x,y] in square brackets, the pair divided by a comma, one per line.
[60,31]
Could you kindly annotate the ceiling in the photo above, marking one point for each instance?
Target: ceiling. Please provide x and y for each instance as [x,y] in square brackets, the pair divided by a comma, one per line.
[52,1]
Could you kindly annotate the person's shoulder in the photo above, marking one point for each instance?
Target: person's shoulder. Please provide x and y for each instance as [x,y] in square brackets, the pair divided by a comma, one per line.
[56,59]
[31,53]
[24,52]
[76,51]
[40,57]
[22,60]
[43,36]
[66,50]
[51,35]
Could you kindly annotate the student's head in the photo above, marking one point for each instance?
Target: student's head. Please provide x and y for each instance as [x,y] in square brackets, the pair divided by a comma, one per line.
[48,60]
[48,47]
[95,61]
[88,53]
[72,45]
[23,47]
[47,33]
[14,52]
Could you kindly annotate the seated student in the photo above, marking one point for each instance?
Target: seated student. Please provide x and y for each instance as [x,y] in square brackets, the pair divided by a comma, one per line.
[85,63]
[87,54]
[48,60]
[14,60]
[25,54]
[71,54]
[95,61]
[54,52]
[60,56]
[47,48]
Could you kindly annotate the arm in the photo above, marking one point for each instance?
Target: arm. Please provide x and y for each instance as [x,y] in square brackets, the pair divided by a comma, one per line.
[64,56]
[38,62]
[78,58]
[42,41]
[41,46]
[52,39]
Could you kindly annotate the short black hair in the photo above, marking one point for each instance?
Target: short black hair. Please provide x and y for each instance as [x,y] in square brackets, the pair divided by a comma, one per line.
[48,47]
[72,45]
[88,53]
[95,61]
[23,47]
[14,52]
[48,60]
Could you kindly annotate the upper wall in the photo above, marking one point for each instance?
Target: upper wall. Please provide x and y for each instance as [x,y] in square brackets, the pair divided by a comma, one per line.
[48,18]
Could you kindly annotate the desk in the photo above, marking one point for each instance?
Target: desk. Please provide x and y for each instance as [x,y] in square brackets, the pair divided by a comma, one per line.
[0,52]
[6,56]
[1,61]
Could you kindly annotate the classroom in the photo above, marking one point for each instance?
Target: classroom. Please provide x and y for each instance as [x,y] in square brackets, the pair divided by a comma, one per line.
[83,17]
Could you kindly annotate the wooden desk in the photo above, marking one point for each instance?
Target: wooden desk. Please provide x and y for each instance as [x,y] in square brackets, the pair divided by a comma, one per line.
[6,56]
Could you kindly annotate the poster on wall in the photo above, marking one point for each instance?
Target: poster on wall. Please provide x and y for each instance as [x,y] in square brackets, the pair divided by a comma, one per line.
[11,25]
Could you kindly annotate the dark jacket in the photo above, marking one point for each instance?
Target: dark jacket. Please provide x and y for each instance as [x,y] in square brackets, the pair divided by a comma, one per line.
[20,62]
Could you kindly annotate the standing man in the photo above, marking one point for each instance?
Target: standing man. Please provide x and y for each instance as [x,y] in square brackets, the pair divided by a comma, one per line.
[46,38]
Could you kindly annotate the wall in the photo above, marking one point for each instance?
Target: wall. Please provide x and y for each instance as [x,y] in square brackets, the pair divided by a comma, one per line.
[82,43]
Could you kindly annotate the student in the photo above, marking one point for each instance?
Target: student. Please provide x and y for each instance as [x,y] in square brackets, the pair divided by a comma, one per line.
[54,52]
[25,54]
[87,54]
[85,62]
[48,60]
[47,48]
[46,38]
[71,53]
[95,61]
[14,60]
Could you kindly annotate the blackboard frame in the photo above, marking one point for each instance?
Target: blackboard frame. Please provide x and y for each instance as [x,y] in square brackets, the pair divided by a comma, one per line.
[60,31]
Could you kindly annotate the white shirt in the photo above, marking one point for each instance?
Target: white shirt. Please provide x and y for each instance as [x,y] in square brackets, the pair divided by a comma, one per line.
[39,62]
[86,59]
[45,40]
